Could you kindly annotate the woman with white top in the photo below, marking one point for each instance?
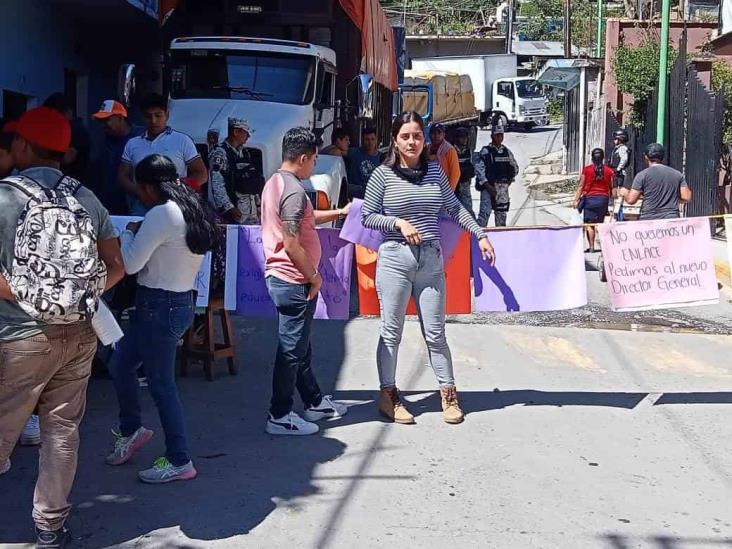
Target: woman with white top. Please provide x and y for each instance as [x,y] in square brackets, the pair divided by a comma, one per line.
[165,251]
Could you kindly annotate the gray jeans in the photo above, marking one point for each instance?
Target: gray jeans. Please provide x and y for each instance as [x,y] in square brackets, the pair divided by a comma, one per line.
[403,271]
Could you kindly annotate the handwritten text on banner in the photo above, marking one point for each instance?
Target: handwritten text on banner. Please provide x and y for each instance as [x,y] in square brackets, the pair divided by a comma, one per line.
[658,264]
[252,297]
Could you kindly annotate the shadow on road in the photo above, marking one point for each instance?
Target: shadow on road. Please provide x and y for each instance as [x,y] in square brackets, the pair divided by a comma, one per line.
[620,541]
[244,474]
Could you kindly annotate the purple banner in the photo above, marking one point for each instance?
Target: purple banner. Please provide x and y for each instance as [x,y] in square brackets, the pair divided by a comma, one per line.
[335,268]
[536,270]
[252,297]
[354,231]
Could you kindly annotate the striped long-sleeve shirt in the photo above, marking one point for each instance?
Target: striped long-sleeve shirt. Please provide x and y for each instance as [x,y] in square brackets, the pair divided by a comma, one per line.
[389,197]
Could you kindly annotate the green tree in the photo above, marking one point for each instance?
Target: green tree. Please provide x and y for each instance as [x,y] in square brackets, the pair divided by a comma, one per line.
[636,73]
[722,83]
[441,16]
[545,15]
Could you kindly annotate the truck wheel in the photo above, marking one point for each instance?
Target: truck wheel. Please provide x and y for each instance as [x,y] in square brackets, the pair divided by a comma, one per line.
[528,126]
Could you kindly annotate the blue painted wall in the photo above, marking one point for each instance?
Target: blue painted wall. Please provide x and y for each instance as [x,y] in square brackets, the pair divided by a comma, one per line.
[38,44]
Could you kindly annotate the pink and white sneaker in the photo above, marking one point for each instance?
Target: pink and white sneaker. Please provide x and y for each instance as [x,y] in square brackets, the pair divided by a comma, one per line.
[163,471]
[126,447]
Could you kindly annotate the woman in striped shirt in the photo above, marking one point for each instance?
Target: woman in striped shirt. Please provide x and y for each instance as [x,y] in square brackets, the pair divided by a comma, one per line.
[404,198]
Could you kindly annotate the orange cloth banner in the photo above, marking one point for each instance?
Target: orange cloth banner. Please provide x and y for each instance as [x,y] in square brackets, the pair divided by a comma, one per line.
[457,279]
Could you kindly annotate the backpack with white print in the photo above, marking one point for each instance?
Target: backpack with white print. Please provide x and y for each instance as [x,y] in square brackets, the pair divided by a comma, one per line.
[56,275]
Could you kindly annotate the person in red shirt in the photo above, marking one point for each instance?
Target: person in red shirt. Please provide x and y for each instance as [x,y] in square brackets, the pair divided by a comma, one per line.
[593,194]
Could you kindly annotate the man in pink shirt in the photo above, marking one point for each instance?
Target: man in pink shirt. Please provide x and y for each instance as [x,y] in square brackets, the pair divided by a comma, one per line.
[292,255]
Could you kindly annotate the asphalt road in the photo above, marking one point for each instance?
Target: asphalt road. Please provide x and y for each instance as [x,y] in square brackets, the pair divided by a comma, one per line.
[574,439]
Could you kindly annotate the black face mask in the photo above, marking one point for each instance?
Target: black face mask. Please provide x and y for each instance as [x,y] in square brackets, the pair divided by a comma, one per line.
[410,174]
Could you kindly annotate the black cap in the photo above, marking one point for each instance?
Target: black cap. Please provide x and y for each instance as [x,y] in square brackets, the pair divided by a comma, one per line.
[655,151]
[437,128]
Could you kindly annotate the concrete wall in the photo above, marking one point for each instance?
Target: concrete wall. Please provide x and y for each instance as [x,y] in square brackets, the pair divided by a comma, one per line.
[442,46]
[632,33]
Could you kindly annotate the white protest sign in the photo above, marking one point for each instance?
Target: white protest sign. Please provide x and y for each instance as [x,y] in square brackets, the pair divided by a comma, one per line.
[659,264]
[203,278]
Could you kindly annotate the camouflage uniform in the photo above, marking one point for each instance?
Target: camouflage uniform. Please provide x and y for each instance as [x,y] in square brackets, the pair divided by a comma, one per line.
[221,194]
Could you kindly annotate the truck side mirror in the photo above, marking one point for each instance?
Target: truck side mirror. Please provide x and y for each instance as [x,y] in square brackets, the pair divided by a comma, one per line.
[126,83]
[366,96]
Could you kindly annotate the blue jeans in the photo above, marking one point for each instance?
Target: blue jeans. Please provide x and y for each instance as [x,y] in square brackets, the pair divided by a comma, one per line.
[294,354]
[159,321]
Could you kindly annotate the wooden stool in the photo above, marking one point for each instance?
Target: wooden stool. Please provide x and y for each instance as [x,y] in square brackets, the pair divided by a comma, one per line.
[209,350]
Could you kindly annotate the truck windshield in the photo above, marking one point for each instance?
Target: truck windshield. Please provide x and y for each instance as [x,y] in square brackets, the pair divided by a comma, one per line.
[253,75]
[528,89]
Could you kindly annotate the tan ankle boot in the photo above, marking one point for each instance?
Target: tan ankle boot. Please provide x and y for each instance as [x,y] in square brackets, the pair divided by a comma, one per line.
[451,411]
[391,407]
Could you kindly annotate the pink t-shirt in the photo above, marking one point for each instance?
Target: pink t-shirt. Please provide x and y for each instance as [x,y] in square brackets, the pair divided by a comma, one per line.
[284,200]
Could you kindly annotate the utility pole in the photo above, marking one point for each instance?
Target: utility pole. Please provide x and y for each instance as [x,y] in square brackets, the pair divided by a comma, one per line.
[600,27]
[568,29]
[663,72]
[509,28]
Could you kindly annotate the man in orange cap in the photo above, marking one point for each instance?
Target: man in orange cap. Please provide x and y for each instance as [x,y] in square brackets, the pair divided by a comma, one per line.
[112,115]
[47,365]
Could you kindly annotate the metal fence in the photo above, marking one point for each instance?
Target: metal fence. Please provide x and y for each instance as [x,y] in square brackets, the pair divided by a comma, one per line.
[693,130]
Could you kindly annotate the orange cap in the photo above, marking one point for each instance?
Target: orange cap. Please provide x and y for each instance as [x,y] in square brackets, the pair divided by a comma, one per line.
[45,128]
[110,108]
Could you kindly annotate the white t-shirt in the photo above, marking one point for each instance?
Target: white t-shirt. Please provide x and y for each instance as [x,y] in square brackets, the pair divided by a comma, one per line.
[175,145]
[159,254]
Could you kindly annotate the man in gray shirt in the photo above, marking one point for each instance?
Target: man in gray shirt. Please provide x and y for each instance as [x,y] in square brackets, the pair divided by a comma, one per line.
[663,188]
[46,365]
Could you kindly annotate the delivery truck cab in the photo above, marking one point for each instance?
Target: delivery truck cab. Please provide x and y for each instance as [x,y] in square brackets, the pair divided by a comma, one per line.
[500,95]
[519,101]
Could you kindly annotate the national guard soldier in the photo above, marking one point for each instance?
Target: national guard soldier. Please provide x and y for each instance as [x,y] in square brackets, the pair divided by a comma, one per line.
[495,170]
[620,158]
[236,182]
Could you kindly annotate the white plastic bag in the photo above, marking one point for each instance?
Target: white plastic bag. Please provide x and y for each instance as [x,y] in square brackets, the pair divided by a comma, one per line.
[576,218]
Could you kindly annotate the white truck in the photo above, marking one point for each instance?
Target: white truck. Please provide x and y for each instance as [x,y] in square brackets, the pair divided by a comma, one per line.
[274,84]
[500,96]
[252,72]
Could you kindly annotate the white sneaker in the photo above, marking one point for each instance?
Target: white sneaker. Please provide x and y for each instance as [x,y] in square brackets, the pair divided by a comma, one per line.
[31,435]
[5,467]
[290,424]
[327,409]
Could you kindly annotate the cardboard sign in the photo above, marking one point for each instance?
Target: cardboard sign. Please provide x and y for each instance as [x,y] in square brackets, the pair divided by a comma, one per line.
[659,264]
[354,231]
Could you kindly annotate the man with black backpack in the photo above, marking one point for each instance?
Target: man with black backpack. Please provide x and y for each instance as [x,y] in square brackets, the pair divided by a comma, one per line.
[58,254]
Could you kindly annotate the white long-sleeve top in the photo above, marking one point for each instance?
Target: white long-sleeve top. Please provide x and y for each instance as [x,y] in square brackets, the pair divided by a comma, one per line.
[158,253]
